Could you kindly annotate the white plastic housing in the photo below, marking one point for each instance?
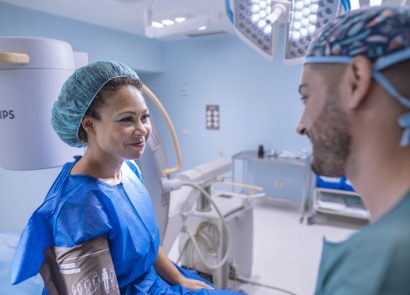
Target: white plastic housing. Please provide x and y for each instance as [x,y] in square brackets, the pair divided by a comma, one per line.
[27,94]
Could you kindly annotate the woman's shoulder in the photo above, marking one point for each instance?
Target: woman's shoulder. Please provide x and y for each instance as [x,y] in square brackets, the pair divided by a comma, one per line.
[80,213]
[69,191]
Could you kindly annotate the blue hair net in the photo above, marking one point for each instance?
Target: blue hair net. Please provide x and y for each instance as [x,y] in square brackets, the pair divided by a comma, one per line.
[77,94]
[382,34]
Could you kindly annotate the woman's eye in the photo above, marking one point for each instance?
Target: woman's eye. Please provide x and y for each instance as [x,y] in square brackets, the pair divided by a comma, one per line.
[126,119]
[145,117]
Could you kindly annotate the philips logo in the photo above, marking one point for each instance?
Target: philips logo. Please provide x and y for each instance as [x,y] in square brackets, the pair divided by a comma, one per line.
[7,114]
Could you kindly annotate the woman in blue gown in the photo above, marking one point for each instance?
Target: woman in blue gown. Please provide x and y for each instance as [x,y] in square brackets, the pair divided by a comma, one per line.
[102,194]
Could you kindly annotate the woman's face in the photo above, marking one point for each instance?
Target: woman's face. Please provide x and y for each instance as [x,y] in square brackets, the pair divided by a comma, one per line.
[124,125]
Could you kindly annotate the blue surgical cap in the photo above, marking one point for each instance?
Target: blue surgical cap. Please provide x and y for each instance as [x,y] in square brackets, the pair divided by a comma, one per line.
[77,94]
[382,34]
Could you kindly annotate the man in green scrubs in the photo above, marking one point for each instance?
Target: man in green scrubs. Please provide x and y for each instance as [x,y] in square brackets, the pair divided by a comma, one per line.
[356,90]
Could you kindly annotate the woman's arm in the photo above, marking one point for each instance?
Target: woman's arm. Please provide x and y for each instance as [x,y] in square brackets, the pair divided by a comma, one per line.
[167,270]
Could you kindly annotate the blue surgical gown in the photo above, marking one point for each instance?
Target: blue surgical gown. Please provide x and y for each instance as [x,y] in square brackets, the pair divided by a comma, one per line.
[80,207]
[374,261]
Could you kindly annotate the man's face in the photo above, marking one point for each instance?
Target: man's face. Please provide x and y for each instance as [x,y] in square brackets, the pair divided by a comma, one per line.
[324,121]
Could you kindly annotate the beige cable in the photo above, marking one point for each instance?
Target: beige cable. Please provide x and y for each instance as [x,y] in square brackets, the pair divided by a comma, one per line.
[253,188]
[164,113]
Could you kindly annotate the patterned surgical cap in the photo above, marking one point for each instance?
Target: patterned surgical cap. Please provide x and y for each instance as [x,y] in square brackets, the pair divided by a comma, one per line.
[382,34]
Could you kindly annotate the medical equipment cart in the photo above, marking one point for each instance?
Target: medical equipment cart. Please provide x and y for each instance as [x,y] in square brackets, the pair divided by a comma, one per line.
[337,202]
[282,178]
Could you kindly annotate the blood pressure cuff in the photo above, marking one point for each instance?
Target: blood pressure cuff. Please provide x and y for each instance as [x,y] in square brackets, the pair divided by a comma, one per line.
[83,269]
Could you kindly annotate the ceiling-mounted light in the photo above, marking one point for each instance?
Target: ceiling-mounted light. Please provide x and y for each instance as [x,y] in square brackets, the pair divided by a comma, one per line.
[180,19]
[157,25]
[202,28]
[167,22]
[354,4]
[306,17]
[375,2]
[182,24]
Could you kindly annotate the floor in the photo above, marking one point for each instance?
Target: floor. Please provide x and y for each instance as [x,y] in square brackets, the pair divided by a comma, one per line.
[286,252]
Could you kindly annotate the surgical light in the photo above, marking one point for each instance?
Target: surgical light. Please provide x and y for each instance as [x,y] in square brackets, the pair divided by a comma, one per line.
[306,17]
[257,22]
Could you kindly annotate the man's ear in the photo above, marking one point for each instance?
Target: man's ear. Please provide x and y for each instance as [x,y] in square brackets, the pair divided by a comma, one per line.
[88,124]
[359,80]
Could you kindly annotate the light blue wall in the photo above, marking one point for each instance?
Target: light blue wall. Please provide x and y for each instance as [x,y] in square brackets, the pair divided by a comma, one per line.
[258,99]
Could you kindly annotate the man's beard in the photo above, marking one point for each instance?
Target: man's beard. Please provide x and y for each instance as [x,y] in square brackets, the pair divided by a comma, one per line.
[331,140]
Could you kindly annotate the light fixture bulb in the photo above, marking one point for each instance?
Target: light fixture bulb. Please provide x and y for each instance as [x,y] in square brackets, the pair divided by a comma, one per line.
[312,29]
[262,23]
[299,5]
[298,15]
[180,19]
[306,11]
[167,22]
[157,25]
[313,18]
[314,8]
[296,35]
[297,25]
[268,29]
[255,8]
[255,18]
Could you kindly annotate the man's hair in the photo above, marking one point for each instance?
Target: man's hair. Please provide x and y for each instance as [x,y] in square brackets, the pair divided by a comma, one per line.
[399,75]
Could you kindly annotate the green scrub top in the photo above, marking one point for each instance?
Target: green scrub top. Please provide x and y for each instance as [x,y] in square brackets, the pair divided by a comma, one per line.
[375,260]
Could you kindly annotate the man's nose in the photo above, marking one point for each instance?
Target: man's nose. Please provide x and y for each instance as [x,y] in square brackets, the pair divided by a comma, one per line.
[300,128]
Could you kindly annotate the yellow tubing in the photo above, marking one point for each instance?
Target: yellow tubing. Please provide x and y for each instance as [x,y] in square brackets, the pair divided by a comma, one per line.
[161,108]
[252,188]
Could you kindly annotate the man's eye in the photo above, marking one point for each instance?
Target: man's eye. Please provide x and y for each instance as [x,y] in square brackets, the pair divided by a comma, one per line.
[303,99]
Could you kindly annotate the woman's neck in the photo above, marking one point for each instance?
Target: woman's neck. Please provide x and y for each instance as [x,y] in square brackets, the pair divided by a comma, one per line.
[105,168]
